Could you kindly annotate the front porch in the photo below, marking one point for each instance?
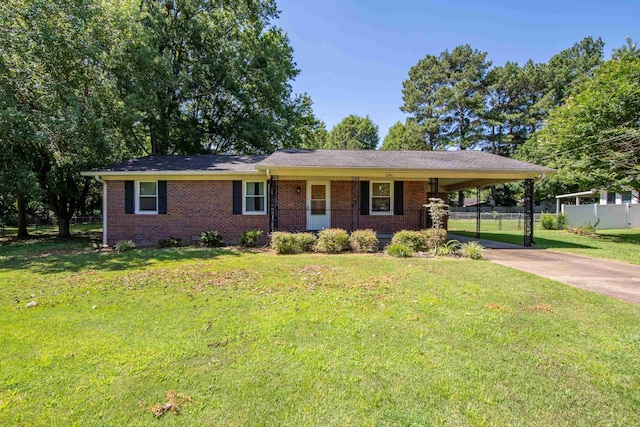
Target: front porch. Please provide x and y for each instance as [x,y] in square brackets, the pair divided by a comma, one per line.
[297,205]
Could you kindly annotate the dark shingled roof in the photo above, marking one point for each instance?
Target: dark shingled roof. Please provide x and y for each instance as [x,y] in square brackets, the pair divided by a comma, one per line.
[411,160]
[207,162]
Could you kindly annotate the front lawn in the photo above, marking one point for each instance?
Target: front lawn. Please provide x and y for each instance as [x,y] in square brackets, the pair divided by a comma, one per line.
[622,245]
[259,339]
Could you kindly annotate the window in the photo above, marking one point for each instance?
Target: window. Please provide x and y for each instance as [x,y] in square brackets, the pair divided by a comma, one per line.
[147,197]
[611,198]
[626,197]
[254,200]
[381,198]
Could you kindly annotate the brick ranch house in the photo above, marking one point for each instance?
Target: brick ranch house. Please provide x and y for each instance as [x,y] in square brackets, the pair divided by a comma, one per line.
[158,197]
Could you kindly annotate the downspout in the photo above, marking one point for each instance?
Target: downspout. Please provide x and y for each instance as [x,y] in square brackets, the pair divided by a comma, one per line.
[104,210]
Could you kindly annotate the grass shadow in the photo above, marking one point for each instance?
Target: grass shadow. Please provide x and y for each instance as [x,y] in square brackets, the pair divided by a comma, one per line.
[50,255]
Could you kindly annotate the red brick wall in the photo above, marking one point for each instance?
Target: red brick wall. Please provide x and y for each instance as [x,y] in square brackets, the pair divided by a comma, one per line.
[195,206]
[415,196]
[192,207]
[292,206]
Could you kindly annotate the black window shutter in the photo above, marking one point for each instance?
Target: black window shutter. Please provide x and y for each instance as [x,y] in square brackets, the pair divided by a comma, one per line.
[237,197]
[162,197]
[129,206]
[364,197]
[398,197]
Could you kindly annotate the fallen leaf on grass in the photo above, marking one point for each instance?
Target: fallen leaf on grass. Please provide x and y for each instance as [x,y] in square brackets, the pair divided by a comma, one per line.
[174,400]
[541,307]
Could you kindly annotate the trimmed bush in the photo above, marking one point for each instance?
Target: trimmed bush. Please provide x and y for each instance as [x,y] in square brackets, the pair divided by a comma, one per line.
[332,240]
[548,221]
[561,221]
[399,250]
[434,237]
[413,239]
[211,239]
[363,241]
[171,242]
[249,239]
[288,243]
[473,250]
[124,246]
[305,241]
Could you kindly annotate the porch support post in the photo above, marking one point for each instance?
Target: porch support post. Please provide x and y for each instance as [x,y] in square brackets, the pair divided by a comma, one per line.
[528,212]
[435,191]
[478,213]
[273,204]
[355,202]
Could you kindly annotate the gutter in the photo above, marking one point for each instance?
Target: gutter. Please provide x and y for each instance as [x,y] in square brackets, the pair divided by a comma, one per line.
[104,210]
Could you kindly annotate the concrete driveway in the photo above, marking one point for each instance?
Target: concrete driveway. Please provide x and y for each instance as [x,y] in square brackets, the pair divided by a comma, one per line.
[613,278]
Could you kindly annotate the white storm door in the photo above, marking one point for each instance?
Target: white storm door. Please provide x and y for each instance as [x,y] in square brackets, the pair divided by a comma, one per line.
[318,205]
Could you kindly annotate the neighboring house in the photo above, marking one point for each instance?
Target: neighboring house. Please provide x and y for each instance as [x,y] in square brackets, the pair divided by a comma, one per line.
[610,211]
[157,197]
[612,198]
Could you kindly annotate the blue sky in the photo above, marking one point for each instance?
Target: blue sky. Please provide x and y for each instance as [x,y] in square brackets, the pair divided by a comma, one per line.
[354,55]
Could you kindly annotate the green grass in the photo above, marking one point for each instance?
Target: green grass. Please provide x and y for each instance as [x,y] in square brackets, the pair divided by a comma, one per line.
[260,339]
[622,245]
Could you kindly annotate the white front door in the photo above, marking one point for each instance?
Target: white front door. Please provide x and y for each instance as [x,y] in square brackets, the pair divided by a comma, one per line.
[318,205]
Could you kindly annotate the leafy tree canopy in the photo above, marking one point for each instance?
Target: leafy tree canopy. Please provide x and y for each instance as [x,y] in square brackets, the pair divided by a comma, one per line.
[405,136]
[594,138]
[210,76]
[353,133]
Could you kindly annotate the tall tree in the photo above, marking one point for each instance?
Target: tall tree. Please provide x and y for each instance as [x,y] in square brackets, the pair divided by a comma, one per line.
[446,94]
[572,66]
[54,62]
[405,136]
[210,76]
[353,133]
[594,138]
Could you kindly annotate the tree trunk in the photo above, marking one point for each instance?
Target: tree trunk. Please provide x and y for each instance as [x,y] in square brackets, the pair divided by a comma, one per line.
[461,198]
[23,233]
[64,229]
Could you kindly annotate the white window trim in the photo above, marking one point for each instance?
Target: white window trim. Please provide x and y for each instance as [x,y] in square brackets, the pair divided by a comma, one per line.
[244,198]
[137,199]
[371,211]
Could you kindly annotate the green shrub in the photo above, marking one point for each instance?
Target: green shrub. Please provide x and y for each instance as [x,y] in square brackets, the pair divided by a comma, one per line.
[363,241]
[413,239]
[249,239]
[434,237]
[124,246]
[305,241]
[561,221]
[399,250]
[171,242]
[211,238]
[473,250]
[332,240]
[284,243]
[548,221]
[288,243]
[448,248]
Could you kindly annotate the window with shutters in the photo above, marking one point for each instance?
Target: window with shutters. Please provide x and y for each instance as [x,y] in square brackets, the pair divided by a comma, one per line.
[147,197]
[254,200]
[381,198]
